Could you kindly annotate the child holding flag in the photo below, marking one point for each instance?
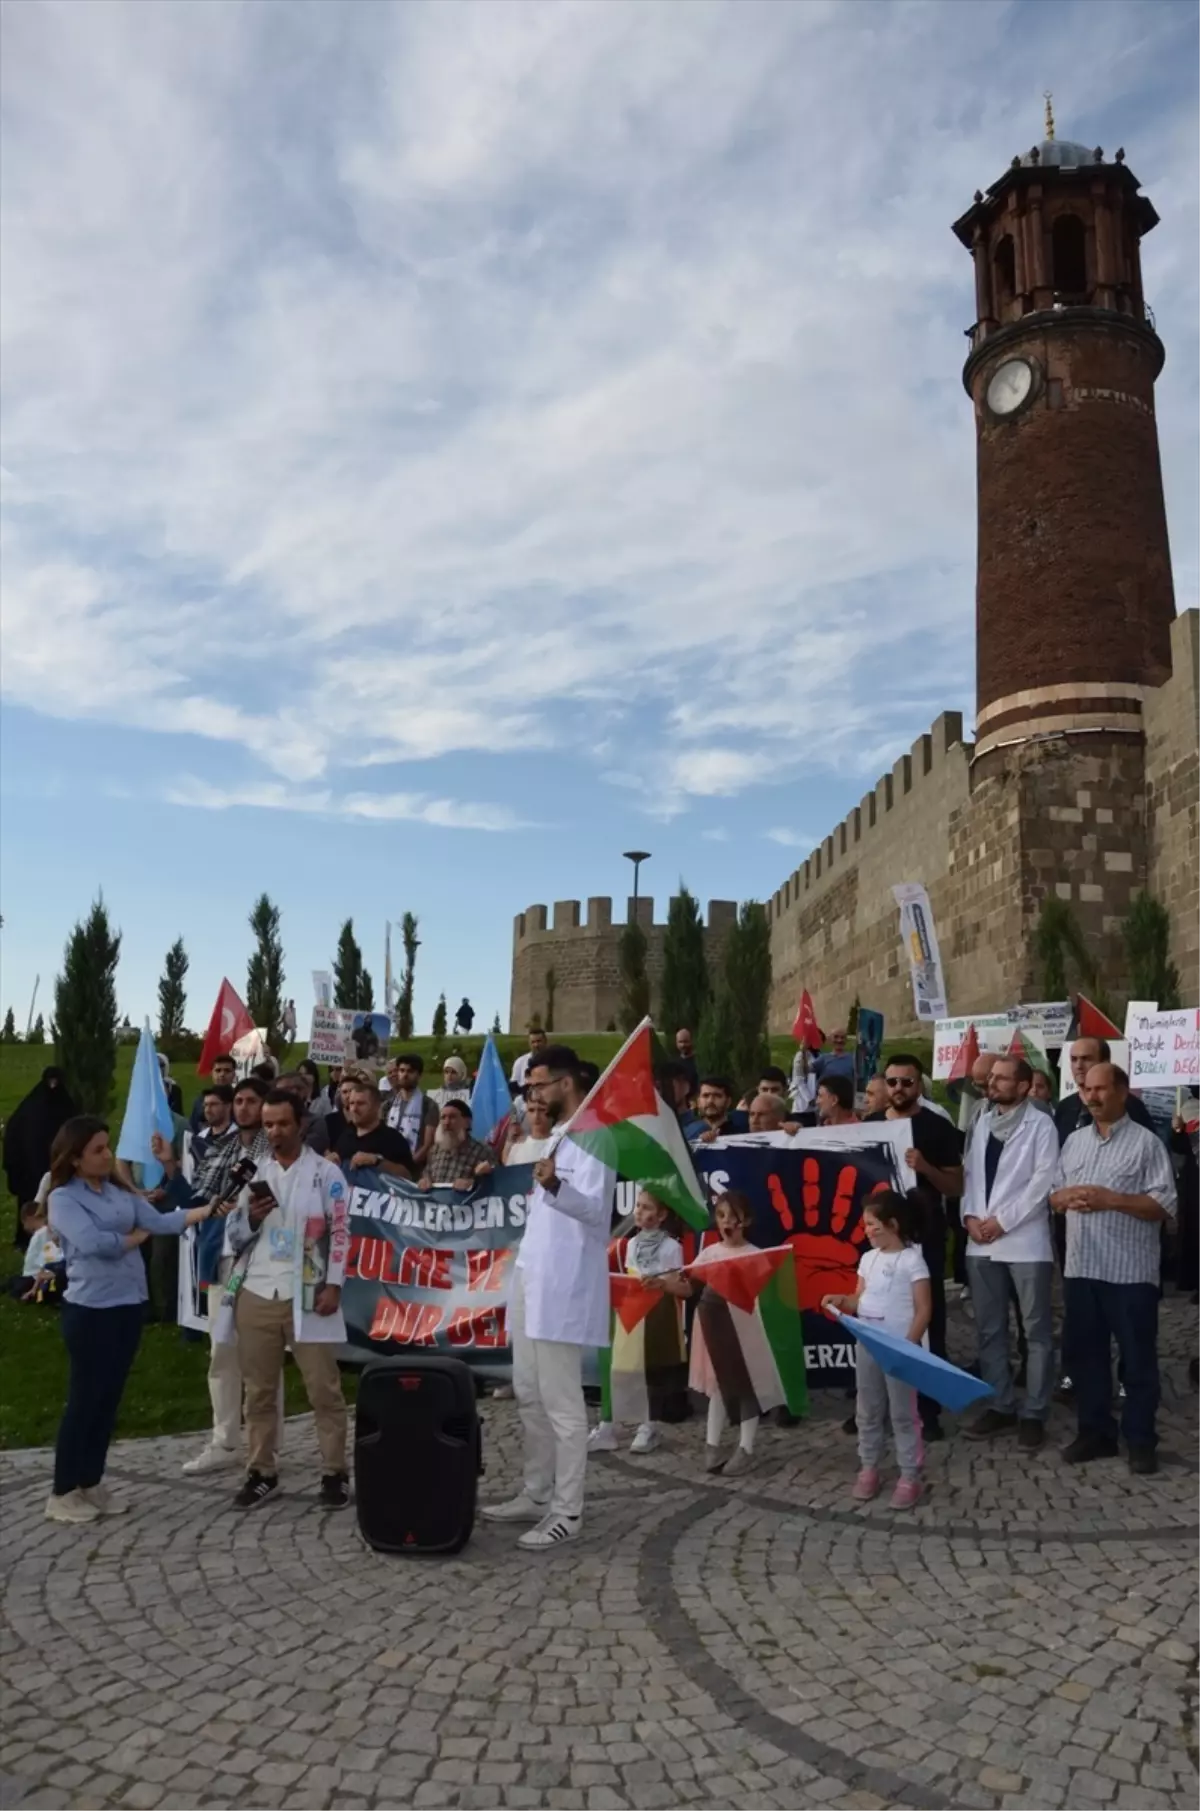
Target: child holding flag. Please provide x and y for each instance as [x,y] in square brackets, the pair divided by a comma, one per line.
[893,1290]
[648,1363]
[732,1362]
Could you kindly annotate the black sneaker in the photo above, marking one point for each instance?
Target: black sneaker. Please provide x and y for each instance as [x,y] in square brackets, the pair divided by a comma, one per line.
[933,1430]
[335,1490]
[991,1422]
[1088,1447]
[1030,1435]
[1143,1459]
[257,1488]
[850,1425]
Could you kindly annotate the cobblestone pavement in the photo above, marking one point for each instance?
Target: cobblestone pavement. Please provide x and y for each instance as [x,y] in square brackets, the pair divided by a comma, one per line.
[1027,1637]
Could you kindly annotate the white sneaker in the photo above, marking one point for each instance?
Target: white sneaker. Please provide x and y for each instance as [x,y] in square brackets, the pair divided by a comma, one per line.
[212,1457]
[73,1506]
[603,1438]
[646,1439]
[550,1532]
[102,1500]
[518,1509]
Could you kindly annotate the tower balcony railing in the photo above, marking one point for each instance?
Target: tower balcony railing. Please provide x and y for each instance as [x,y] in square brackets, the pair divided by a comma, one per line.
[1127,303]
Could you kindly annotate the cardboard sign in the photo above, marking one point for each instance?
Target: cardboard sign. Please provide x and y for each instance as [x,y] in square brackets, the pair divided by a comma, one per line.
[1047,1021]
[1164,1047]
[340,1035]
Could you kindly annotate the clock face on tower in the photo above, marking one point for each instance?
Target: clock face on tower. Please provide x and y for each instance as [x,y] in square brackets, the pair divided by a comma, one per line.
[1010,386]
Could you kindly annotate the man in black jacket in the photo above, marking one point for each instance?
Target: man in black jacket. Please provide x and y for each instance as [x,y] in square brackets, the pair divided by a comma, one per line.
[935,1160]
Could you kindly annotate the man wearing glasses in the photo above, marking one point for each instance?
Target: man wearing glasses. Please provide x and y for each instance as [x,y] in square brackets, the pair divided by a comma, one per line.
[559,1304]
[934,1157]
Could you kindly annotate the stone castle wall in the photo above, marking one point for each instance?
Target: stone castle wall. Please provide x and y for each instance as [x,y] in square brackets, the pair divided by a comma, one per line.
[1171,714]
[582,952]
[1089,818]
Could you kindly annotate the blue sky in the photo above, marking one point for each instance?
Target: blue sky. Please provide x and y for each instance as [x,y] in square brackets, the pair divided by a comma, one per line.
[446,446]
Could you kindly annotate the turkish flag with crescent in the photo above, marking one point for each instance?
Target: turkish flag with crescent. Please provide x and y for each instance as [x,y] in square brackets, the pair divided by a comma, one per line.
[805,1029]
[230,1021]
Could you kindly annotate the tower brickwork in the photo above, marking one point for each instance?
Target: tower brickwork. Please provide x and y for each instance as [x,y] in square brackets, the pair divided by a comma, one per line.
[1074,599]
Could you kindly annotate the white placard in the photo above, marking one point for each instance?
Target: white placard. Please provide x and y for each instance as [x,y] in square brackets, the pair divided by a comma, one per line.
[1047,1021]
[1164,1047]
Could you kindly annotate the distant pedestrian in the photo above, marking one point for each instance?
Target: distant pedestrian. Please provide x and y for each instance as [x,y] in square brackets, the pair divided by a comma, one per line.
[28,1137]
[464,1018]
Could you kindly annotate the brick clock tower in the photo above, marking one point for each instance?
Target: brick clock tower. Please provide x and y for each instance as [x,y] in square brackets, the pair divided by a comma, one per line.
[1074,597]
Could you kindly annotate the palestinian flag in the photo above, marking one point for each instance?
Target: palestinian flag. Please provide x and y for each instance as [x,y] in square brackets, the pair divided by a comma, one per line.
[625,1124]
[632,1301]
[1090,1022]
[740,1278]
[1030,1048]
[964,1062]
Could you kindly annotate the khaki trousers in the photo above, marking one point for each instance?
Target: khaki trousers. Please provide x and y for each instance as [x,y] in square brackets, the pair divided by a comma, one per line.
[264,1331]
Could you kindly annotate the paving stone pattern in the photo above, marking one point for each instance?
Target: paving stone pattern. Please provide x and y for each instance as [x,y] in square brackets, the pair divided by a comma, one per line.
[1026,1638]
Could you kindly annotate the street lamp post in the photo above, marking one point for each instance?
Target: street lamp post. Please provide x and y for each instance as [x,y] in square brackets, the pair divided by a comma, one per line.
[637,857]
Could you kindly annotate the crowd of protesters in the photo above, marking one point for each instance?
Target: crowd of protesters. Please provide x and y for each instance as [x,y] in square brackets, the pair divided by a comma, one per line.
[1019,1188]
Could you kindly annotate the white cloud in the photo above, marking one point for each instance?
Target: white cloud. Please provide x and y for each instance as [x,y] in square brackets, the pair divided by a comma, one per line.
[395,807]
[790,839]
[718,835]
[475,376]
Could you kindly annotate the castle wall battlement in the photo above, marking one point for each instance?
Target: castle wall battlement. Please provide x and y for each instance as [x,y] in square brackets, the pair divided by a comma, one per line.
[573,954]
[912,788]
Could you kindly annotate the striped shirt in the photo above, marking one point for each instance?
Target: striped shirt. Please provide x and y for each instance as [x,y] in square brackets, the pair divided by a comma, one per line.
[1109,1246]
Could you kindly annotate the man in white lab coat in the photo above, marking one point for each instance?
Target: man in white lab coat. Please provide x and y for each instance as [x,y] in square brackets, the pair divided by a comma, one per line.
[558,1305]
[1009,1171]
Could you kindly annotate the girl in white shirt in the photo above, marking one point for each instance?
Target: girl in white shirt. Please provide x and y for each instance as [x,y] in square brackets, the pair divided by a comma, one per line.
[894,1291]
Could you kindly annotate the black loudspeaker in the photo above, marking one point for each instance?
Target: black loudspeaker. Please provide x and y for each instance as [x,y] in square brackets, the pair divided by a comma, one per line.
[418,1453]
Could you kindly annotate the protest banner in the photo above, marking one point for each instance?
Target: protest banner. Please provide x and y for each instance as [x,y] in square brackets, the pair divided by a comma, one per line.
[808,1191]
[431,1268]
[868,1044]
[919,937]
[1047,1020]
[340,1035]
[1164,1047]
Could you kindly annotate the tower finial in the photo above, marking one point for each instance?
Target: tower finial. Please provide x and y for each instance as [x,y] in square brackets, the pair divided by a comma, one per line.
[1049,114]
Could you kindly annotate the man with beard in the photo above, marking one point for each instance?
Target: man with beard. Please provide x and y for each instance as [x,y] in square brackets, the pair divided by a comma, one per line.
[28,1137]
[409,1110]
[457,1159]
[559,1305]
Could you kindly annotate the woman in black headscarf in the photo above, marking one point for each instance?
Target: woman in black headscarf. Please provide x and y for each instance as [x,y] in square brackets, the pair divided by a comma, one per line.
[28,1137]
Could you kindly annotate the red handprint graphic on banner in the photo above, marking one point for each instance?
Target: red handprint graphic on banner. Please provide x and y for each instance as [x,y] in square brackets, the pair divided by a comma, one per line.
[828,1249]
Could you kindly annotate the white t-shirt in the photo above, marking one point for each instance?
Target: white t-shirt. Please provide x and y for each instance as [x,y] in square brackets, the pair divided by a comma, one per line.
[271,1272]
[888,1276]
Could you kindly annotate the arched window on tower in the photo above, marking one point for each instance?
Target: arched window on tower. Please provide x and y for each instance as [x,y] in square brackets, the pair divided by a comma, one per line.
[1069,245]
[1004,271]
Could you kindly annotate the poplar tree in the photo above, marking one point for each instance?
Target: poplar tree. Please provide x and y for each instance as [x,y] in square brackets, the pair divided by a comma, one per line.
[85,1011]
[264,972]
[172,1000]
[685,986]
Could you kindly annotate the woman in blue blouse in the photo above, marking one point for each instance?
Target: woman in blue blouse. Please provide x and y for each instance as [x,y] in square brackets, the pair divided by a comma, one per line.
[101,1223]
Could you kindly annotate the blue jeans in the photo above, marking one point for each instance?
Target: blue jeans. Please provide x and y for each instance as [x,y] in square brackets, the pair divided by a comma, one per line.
[1096,1314]
[101,1345]
[992,1286]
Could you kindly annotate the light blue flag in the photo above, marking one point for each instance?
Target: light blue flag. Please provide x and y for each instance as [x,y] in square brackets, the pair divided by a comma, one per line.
[491,1102]
[925,1371]
[146,1111]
